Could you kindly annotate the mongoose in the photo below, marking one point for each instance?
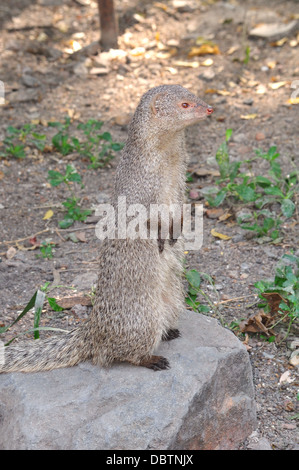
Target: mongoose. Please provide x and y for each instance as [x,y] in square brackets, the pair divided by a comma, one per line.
[140,292]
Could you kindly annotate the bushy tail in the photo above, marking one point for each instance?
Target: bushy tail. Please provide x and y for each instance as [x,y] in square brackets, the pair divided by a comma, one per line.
[51,353]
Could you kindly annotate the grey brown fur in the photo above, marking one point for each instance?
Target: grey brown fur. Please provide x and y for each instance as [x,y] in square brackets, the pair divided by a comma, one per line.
[139,294]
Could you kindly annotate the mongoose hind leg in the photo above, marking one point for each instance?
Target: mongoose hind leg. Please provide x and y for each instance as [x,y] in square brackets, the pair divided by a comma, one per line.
[155,363]
[172,333]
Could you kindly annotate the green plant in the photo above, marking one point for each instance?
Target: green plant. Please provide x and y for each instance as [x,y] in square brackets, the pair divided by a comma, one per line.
[90,143]
[255,191]
[46,249]
[99,148]
[74,211]
[285,288]
[16,139]
[37,303]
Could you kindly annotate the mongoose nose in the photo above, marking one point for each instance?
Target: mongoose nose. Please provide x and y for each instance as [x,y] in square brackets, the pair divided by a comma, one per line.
[209,110]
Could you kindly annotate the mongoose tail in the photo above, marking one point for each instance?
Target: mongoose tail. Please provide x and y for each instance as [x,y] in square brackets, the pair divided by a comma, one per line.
[51,353]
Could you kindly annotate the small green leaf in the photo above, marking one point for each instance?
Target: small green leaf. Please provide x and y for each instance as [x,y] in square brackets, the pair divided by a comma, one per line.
[54,305]
[287,207]
[274,191]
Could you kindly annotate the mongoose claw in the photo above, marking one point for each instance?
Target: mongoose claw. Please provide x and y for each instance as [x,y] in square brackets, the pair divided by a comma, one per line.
[171,334]
[156,363]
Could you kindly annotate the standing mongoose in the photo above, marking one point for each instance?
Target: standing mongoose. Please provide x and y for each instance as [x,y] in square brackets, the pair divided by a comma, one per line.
[139,294]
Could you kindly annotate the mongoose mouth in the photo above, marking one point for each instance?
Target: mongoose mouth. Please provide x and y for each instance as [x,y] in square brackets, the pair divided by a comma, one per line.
[209,110]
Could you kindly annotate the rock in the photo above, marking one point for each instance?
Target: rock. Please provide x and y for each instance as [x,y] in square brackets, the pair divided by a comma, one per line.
[193,194]
[260,136]
[294,359]
[22,96]
[99,71]
[204,401]
[80,69]
[248,101]
[260,444]
[85,280]
[274,31]
[239,138]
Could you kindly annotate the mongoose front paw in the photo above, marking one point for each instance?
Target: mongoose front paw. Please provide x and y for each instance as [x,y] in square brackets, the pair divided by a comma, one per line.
[156,363]
[171,334]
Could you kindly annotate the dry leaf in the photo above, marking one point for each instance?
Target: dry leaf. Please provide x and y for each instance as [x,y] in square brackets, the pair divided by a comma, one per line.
[11,252]
[207,62]
[279,43]
[218,92]
[182,63]
[258,322]
[276,85]
[286,378]
[1,175]
[248,116]
[204,49]
[273,299]
[206,172]
[160,5]
[261,89]
[271,64]
[214,213]
[81,236]
[232,50]
[219,235]
[293,100]
[225,216]
[138,51]
[48,214]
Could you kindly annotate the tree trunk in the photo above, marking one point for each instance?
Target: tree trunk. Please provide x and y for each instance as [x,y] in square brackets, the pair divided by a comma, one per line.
[108,23]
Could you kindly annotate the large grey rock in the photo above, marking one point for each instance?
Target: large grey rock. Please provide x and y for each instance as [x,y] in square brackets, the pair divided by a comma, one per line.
[205,401]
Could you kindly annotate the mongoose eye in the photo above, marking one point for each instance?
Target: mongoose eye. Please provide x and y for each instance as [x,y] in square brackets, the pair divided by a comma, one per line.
[185,105]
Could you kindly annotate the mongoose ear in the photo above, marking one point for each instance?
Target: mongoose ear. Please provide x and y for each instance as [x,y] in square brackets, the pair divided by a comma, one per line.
[155,103]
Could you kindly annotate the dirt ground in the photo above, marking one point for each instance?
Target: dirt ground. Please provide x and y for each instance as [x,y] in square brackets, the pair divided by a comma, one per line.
[51,67]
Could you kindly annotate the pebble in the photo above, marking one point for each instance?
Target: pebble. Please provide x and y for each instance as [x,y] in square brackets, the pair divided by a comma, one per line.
[260,136]
[248,101]
[193,194]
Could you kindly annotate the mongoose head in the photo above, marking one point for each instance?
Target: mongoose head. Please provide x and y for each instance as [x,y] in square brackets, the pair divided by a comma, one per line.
[173,107]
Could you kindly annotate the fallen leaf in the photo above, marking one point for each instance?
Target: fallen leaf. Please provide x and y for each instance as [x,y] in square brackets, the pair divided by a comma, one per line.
[293,100]
[279,43]
[261,89]
[204,49]
[271,64]
[81,236]
[206,172]
[276,85]
[181,63]
[219,235]
[214,213]
[48,214]
[1,175]
[258,322]
[286,377]
[248,116]
[33,241]
[207,62]
[225,216]
[232,49]
[218,92]
[273,299]
[11,252]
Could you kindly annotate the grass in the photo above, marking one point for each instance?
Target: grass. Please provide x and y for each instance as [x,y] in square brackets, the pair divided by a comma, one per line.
[270,199]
